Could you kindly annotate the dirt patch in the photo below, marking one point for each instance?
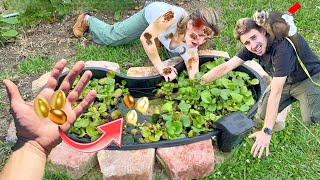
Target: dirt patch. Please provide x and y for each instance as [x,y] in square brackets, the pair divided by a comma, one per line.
[52,40]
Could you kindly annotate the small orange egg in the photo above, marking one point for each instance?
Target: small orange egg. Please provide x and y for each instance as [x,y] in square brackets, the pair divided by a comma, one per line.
[129,101]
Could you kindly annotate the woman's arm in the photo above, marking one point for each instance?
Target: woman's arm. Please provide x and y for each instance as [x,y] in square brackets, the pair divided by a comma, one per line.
[148,41]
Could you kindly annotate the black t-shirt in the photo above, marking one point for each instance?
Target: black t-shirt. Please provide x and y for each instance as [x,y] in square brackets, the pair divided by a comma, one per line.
[280,60]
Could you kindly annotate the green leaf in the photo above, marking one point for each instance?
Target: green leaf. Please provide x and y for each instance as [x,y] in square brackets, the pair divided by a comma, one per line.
[183,107]
[210,65]
[215,91]
[225,94]
[167,106]
[97,122]
[145,132]
[212,108]
[253,82]
[11,20]
[102,107]
[185,120]
[178,127]
[91,131]
[117,15]
[10,33]
[110,81]
[83,123]
[82,133]
[171,130]
[249,101]
[244,108]
[205,96]
[111,74]
[198,75]
[166,117]
[236,97]
[238,82]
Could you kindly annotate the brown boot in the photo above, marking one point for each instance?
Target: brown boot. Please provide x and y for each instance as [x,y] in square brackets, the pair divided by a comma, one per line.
[80,26]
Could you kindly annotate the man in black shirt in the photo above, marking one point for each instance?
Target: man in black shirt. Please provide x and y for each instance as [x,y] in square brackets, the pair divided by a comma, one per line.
[289,80]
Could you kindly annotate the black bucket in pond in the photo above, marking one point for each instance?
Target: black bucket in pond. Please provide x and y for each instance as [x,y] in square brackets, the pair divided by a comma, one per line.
[144,86]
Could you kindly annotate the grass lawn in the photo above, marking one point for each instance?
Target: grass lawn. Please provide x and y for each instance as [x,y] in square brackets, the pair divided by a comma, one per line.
[294,151]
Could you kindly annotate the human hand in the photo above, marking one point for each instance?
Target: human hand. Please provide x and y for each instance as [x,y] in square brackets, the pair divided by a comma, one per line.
[43,133]
[169,73]
[262,142]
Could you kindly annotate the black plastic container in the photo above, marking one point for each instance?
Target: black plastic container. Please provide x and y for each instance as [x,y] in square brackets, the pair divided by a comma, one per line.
[143,86]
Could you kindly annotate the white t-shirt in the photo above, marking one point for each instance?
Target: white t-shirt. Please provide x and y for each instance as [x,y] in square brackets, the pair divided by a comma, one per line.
[156,9]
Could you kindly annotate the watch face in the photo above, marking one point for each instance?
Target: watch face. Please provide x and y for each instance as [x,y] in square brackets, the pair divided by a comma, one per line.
[267,131]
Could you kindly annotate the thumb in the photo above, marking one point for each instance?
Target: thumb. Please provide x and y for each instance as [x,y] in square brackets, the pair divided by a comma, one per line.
[12,90]
[252,135]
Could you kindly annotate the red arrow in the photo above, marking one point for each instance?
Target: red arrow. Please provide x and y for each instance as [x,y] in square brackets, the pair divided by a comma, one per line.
[111,131]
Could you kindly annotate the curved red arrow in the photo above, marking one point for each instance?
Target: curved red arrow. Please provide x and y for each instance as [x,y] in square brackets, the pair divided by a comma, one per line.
[111,131]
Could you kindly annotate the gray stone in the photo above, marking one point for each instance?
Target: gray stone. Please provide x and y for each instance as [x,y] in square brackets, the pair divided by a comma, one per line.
[11,137]
[214,52]
[103,64]
[194,160]
[257,67]
[76,163]
[151,70]
[127,165]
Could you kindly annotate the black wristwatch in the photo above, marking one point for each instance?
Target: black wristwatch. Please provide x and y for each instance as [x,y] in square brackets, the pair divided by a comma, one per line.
[267,130]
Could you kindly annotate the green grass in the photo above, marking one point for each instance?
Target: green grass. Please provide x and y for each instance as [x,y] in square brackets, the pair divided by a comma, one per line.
[294,154]
[8,74]
[98,5]
[36,64]
[5,150]
[35,11]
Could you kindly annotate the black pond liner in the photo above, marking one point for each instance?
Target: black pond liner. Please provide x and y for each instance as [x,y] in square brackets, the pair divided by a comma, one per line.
[143,86]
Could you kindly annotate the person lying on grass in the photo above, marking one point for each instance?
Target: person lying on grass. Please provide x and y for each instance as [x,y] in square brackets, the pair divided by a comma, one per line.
[179,32]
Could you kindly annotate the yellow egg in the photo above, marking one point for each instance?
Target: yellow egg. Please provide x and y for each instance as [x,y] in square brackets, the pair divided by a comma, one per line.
[41,107]
[58,100]
[57,116]
[142,104]
[128,101]
[132,117]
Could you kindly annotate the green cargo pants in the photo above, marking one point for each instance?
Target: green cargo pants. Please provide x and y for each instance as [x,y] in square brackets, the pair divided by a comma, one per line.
[307,93]
[119,33]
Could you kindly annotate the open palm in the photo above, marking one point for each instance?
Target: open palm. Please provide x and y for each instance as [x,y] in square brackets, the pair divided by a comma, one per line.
[43,131]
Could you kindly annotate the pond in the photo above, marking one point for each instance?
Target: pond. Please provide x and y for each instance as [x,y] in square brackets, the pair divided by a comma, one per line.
[147,87]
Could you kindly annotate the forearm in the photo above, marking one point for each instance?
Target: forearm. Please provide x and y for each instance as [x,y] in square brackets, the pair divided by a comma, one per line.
[26,162]
[213,74]
[272,110]
[192,66]
[152,53]
[221,70]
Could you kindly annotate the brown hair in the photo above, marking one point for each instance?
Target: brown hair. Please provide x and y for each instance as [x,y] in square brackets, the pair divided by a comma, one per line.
[243,26]
[207,15]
